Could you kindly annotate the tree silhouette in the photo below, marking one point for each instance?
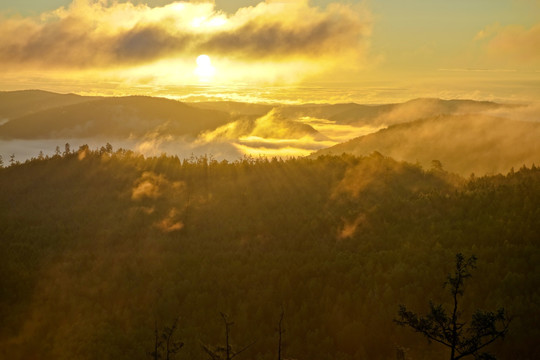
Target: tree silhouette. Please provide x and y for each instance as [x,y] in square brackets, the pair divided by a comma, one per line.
[67,150]
[224,352]
[164,343]
[448,330]
[280,331]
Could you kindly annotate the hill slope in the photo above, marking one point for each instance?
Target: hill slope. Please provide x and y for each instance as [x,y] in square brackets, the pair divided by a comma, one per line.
[124,117]
[463,143]
[14,104]
[100,247]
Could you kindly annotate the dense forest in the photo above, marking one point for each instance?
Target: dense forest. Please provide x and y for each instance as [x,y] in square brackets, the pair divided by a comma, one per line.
[101,247]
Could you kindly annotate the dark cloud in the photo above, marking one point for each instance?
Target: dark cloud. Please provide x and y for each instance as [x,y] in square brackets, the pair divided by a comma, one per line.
[98,34]
[148,43]
[68,44]
[258,38]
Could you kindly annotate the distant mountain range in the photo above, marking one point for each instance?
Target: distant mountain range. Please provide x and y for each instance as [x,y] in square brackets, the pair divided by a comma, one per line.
[387,114]
[465,135]
[14,104]
[357,114]
[122,117]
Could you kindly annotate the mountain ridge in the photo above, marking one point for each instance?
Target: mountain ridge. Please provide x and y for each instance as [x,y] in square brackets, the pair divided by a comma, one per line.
[115,116]
[465,144]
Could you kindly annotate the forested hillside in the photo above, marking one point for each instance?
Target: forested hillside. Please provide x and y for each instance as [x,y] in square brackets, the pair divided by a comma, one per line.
[96,247]
[465,144]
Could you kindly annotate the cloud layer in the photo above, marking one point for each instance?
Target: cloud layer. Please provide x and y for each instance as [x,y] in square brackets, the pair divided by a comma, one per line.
[105,34]
[514,42]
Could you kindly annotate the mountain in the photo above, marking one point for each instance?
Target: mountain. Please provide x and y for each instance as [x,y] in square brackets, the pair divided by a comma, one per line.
[463,143]
[123,117]
[14,104]
[388,114]
[358,114]
[223,128]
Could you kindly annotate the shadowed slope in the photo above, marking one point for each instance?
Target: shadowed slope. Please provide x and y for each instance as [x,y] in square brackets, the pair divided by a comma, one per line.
[125,117]
[18,103]
[464,144]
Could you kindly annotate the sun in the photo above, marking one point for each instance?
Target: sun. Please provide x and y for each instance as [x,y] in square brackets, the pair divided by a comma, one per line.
[204,69]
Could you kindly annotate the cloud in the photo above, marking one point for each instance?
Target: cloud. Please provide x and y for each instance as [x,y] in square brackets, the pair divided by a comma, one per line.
[153,186]
[349,228]
[171,222]
[151,144]
[515,42]
[148,186]
[272,134]
[271,125]
[293,28]
[104,34]
[527,112]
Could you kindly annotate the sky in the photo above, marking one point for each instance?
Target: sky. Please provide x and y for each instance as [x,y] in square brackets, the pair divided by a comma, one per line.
[370,51]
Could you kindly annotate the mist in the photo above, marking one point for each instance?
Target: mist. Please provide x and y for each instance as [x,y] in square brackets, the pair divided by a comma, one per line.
[101,249]
[466,136]
[269,179]
[151,146]
[479,138]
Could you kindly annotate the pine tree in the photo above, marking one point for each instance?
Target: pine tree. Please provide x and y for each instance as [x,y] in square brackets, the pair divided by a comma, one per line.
[448,329]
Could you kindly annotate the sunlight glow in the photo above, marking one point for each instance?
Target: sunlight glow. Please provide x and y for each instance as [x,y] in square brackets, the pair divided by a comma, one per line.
[204,69]
[197,22]
[286,152]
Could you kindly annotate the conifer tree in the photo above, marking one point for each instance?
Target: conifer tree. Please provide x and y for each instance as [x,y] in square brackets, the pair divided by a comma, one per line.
[448,329]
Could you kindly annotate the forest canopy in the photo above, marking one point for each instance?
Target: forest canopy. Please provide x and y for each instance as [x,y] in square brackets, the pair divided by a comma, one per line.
[99,246]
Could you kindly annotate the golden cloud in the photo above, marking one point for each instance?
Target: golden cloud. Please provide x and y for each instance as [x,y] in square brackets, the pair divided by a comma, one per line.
[103,34]
[171,222]
[272,134]
[515,42]
[349,228]
[148,186]
[153,186]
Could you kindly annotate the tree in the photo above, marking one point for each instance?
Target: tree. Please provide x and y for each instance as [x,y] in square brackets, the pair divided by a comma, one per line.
[107,149]
[12,159]
[436,165]
[227,352]
[165,343]
[67,149]
[1,162]
[280,331]
[448,329]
